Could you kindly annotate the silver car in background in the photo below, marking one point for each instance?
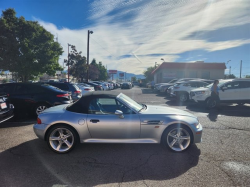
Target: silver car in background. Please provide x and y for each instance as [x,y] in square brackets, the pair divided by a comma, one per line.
[102,117]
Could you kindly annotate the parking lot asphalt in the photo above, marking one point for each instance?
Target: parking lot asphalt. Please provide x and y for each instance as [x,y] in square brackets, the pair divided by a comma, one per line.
[222,159]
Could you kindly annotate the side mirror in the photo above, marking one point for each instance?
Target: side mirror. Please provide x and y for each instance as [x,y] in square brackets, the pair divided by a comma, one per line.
[119,113]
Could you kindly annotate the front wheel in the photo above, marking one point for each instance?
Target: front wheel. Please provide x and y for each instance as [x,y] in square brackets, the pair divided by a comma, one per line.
[177,138]
[183,97]
[211,103]
[61,139]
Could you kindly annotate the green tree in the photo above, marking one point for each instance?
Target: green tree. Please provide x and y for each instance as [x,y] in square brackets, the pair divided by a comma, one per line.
[94,72]
[247,76]
[78,66]
[77,63]
[231,76]
[103,72]
[26,47]
[148,73]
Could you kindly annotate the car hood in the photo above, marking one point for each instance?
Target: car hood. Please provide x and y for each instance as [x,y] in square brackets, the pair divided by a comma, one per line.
[57,109]
[154,109]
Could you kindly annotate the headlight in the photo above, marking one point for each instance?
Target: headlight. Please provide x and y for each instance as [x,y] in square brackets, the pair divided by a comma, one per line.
[200,92]
[197,125]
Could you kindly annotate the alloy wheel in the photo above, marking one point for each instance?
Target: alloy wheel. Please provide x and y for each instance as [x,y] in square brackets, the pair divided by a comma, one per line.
[40,109]
[211,103]
[178,139]
[61,140]
[183,97]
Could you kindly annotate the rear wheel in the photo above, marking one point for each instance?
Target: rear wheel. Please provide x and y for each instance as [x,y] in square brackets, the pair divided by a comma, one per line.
[40,108]
[177,138]
[61,139]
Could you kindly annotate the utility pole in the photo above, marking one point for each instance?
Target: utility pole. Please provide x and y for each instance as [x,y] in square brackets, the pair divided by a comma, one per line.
[68,60]
[89,32]
[230,70]
[240,67]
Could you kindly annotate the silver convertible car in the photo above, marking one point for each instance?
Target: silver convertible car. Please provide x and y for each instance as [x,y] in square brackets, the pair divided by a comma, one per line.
[101,117]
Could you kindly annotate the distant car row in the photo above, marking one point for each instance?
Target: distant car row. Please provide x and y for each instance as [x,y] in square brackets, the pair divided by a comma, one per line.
[199,90]
[34,98]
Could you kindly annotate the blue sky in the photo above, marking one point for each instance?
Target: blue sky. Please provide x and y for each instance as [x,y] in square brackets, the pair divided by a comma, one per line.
[130,35]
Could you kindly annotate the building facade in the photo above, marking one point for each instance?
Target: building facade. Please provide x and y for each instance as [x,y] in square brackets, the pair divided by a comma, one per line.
[170,70]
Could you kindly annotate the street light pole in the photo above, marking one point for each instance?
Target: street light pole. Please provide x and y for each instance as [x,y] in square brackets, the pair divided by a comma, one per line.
[240,67]
[89,32]
[229,69]
[68,60]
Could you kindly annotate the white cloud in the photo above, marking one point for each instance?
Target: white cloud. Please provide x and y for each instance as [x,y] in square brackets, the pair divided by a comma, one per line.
[152,27]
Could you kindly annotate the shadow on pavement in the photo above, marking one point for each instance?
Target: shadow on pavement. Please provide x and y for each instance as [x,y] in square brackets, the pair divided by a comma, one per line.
[173,102]
[147,91]
[227,110]
[34,164]
[19,119]
[150,91]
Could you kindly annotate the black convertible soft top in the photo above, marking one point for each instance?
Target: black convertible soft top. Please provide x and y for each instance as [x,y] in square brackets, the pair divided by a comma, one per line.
[82,105]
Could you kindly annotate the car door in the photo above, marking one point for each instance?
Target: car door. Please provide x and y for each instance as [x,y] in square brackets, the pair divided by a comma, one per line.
[192,85]
[244,90]
[103,123]
[20,97]
[231,91]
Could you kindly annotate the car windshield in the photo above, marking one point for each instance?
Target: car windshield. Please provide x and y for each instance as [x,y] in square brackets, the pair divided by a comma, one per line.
[133,104]
[173,81]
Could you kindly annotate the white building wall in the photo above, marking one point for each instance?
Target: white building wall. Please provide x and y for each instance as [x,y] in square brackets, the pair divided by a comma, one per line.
[189,73]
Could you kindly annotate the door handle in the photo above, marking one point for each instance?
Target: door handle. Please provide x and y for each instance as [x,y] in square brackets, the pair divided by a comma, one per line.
[94,120]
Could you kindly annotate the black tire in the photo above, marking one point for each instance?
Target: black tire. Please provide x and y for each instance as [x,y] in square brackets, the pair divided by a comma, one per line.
[183,97]
[64,135]
[173,143]
[40,107]
[211,103]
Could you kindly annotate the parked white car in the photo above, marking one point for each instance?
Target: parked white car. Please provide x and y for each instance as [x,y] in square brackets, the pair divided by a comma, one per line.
[181,90]
[230,91]
[105,85]
[85,88]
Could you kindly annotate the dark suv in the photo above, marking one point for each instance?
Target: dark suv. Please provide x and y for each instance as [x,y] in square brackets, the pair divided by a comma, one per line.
[34,98]
[6,109]
[76,92]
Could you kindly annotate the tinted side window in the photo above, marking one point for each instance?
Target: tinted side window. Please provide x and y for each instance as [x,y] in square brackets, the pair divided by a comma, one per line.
[6,88]
[102,106]
[21,89]
[61,86]
[35,89]
[233,85]
[244,84]
[202,84]
[193,84]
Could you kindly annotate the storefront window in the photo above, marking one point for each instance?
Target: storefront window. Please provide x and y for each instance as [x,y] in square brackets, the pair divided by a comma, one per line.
[193,74]
[205,75]
[180,74]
